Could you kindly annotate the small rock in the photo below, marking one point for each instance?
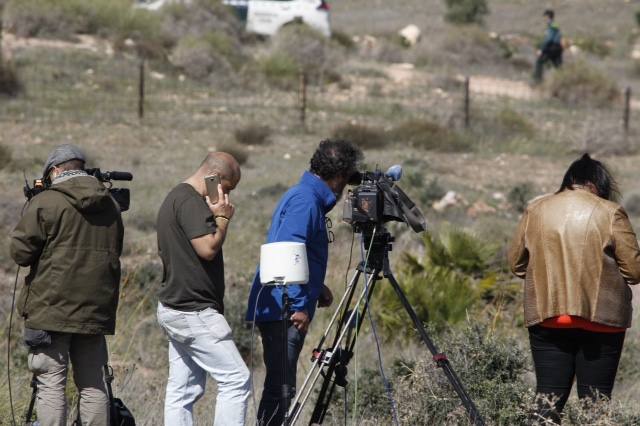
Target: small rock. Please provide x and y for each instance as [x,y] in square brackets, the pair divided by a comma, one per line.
[478,208]
[156,75]
[287,156]
[498,196]
[410,35]
[129,43]
[450,199]
[181,78]
[89,71]
[635,53]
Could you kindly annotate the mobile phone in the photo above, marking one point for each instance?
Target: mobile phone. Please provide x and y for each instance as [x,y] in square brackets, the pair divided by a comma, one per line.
[212,182]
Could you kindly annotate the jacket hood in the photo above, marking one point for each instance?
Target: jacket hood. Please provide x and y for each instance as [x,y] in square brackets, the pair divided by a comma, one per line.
[86,193]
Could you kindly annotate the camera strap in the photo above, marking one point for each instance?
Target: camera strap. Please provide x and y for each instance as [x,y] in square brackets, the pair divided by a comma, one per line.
[32,402]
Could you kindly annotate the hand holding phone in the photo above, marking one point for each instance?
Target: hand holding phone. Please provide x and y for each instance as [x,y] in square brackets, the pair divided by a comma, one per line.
[212,182]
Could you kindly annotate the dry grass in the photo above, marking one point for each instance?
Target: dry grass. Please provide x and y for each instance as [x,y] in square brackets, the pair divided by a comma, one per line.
[578,83]
[361,135]
[89,98]
[253,134]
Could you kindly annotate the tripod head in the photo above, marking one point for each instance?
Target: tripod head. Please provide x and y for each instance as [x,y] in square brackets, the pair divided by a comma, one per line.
[378,242]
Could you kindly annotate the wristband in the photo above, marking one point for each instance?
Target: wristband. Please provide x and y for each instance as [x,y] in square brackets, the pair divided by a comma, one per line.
[223,217]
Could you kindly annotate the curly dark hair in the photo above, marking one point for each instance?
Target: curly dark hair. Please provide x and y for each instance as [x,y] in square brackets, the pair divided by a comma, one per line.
[335,158]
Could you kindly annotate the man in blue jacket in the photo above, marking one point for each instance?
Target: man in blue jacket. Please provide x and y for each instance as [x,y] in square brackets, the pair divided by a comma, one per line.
[300,217]
[551,47]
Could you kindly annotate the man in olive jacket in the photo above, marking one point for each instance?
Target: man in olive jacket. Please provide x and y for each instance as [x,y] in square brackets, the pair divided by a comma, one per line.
[71,238]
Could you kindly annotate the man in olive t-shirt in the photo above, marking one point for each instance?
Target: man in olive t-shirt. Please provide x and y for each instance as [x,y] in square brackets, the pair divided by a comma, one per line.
[191,232]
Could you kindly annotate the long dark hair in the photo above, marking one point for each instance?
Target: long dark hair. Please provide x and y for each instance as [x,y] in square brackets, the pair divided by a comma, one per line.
[586,170]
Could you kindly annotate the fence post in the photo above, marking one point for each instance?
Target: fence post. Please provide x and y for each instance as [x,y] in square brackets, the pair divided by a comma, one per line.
[627,110]
[303,97]
[467,101]
[141,91]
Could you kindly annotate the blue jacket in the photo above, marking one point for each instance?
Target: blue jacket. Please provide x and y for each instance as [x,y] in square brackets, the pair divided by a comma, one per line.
[300,217]
[551,36]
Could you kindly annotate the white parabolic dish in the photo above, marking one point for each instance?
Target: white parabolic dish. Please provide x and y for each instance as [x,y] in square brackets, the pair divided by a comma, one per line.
[284,262]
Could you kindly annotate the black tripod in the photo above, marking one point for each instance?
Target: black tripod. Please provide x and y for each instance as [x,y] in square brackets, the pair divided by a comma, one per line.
[331,363]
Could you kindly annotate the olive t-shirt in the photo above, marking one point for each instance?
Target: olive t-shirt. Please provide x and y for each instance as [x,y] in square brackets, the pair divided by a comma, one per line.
[189,283]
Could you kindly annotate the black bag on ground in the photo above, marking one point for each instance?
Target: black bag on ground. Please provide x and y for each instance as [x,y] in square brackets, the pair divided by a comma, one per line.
[120,414]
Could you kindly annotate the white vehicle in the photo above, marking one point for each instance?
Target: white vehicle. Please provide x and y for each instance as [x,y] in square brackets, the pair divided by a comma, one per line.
[266,17]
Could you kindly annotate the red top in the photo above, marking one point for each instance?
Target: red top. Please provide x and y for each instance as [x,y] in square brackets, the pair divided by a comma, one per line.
[572,321]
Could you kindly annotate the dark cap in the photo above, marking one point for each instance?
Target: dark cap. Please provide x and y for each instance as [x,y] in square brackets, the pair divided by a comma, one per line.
[62,154]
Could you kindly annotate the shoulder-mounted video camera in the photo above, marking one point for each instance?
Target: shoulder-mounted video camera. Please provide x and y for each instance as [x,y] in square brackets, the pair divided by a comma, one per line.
[377,199]
[121,195]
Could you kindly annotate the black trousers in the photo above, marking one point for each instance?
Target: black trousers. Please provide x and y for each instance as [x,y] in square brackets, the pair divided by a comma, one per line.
[560,355]
[553,54]
[271,411]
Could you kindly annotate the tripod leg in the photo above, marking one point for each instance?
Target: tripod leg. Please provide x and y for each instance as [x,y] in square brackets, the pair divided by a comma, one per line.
[285,354]
[313,374]
[320,360]
[440,358]
[328,385]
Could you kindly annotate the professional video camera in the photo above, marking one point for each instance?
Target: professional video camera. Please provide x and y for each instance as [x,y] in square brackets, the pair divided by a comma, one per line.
[378,199]
[375,200]
[121,195]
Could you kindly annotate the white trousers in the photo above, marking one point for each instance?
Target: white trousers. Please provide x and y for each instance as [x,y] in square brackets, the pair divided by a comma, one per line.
[200,343]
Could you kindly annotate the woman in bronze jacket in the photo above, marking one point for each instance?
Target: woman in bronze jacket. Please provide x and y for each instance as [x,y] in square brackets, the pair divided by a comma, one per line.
[578,254]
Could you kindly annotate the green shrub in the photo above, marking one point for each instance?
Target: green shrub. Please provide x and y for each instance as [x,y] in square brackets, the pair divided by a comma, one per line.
[455,249]
[198,58]
[6,156]
[343,39]
[65,18]
[511,123]
[472,44]
[602,411]
[280,69]
[272,191]
[10,84]
[442,286]
[520,195]
[433,191]
[239,153]
[632,204]
[579,84]
[428,135]
[253,134]
[298,48]
[147,275]
[361,135]
[440,297]
[466,11]
[199,17]
[593,45]
[490,366]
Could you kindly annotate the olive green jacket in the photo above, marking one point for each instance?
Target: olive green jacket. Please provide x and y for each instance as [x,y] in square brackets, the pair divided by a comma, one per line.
[71,237]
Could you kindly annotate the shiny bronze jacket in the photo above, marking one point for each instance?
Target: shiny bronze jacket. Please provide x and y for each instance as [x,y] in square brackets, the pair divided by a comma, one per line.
[578,254]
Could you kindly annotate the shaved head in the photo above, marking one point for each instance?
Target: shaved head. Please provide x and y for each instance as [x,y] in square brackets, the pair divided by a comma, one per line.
[223,164]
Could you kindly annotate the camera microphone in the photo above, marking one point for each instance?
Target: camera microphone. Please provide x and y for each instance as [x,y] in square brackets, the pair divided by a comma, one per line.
[394,172]
[118,176]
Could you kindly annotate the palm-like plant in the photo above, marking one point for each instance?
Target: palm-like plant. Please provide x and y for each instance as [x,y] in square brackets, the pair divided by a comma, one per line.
[442,286]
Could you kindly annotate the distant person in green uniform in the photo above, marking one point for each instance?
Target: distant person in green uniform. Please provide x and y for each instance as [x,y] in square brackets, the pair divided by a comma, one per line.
[551,47]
